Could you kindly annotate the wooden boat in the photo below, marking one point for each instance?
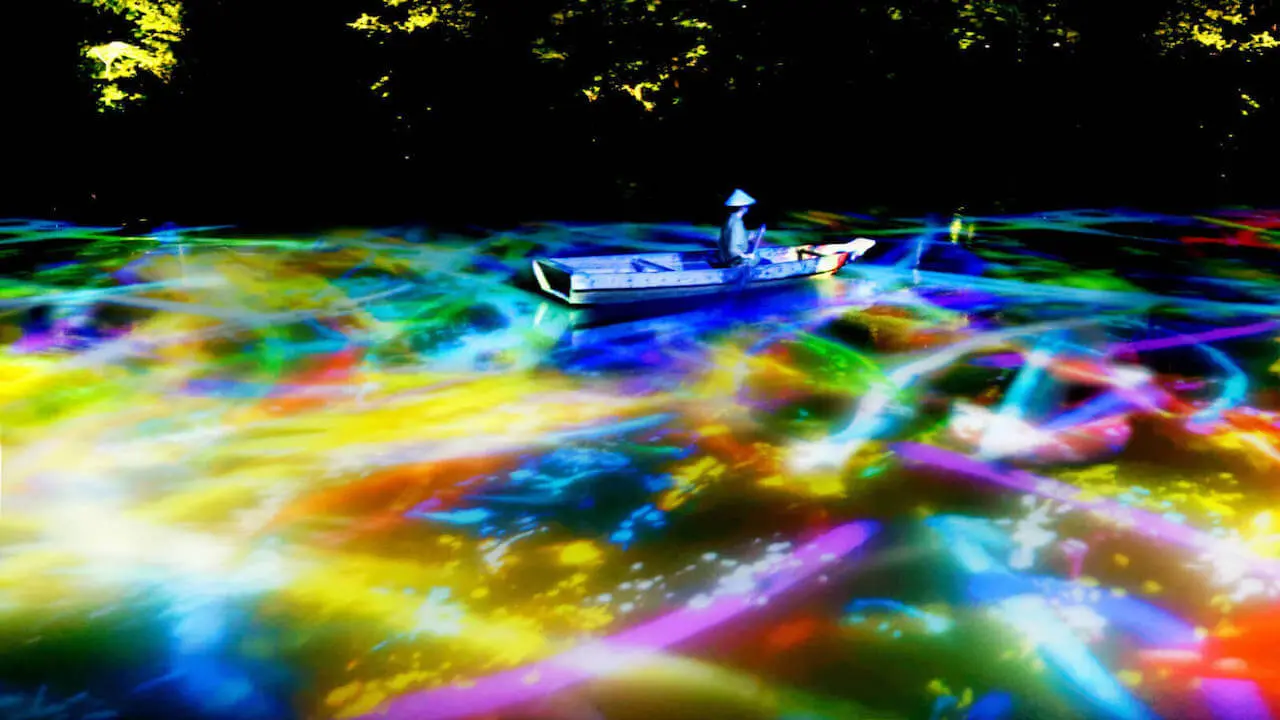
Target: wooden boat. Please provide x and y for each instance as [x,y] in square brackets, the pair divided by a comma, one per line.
[613,279]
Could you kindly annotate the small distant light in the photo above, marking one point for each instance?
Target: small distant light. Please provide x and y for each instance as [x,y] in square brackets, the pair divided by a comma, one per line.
[1057,44]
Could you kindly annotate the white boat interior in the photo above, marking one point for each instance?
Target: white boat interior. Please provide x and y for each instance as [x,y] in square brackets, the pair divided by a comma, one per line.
[634,277]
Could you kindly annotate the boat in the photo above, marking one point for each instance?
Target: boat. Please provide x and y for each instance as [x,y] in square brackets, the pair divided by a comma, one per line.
[616,279]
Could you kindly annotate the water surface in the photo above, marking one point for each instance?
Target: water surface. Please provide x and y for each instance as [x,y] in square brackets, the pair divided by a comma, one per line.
[1002,467]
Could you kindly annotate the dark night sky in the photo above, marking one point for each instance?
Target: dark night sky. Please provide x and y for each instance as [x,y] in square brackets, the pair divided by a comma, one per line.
[270,118]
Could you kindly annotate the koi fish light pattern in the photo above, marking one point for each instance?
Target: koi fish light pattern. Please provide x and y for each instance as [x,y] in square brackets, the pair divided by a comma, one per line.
[1020,469]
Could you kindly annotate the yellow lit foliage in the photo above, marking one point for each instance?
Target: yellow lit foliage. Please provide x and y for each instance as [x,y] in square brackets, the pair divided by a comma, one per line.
[405,17]
[634,71]
[1249,104]
[981,22]
[118,63]
[642,75]
[1219,26]
[409,16]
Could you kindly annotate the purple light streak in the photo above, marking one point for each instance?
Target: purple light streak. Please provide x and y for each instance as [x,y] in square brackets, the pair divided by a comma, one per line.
[1012,360]
[603,657]
[1204,337]
[1003,361]
[1234,699]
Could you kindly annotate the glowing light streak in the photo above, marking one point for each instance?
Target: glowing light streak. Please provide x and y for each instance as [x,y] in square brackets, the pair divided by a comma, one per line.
[54,296]
[934,624]
[1207,336]
[1234,699]
[871,416]
[1032,616]
[1065,294]
[1148,623]
[193,487]
[1095,408]
[626,649]
[1004,426]
[1141,521]
[1234,390]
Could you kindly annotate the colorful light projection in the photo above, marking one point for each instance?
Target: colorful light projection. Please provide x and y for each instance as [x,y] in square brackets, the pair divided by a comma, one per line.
[374,473]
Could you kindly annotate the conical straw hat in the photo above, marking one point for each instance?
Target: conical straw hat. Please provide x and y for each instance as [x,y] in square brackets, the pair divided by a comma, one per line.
[739,199]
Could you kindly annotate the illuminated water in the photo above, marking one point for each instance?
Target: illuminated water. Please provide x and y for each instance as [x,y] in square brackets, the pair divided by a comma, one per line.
[1006,467]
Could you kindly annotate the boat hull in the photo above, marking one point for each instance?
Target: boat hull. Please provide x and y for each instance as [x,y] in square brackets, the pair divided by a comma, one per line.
[620,279]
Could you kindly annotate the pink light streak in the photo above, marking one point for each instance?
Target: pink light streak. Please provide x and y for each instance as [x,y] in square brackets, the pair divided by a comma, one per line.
[617,653]
[1196,339]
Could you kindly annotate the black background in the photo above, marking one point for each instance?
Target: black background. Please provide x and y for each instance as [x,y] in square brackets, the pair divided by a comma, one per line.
[270,119]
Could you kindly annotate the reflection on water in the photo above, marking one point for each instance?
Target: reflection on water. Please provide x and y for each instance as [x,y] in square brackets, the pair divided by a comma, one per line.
[1004,467]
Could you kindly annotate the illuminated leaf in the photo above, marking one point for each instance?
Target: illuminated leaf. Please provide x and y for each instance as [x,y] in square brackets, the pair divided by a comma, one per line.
[409,16]
[655,41]
[121,64]
[1218,26]
[983,22]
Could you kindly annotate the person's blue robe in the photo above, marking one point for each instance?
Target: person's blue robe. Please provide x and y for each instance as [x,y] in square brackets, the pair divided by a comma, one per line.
[733,240]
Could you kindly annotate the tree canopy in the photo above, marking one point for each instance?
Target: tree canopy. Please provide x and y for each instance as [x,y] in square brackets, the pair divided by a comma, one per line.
[485,95]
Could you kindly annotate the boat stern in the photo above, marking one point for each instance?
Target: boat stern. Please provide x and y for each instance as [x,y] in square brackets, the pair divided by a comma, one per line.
[554,279]
[855,248]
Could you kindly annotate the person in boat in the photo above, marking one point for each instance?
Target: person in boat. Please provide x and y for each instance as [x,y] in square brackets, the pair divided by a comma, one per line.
[735,247]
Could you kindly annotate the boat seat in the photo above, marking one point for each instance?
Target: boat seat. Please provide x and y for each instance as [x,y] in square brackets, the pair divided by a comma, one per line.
[643,265]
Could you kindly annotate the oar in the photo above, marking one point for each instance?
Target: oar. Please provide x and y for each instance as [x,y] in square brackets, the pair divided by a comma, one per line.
[746,269]
[756,243]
